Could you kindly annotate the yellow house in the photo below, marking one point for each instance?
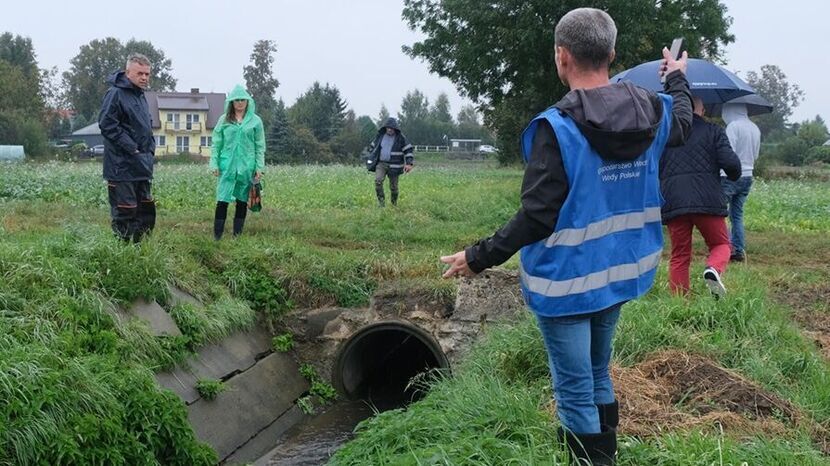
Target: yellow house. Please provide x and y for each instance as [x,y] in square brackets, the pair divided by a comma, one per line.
[183,122]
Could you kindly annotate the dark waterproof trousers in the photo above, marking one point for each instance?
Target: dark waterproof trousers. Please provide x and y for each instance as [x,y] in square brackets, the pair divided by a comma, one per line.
[383,170]
[132,208]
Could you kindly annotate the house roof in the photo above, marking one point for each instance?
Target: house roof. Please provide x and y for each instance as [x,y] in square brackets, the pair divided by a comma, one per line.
[212,102]
[190,102]
[89,130]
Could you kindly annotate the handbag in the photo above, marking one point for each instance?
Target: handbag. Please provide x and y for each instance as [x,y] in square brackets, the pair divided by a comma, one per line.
[255,197]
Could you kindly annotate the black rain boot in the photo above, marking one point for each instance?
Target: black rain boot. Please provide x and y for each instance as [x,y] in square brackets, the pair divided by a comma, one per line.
[609,414]
[238,223]
[395,198]
[591,449]
[381,195]
[218,228]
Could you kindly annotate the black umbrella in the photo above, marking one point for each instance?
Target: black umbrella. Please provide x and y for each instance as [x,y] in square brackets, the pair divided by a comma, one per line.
[755,105]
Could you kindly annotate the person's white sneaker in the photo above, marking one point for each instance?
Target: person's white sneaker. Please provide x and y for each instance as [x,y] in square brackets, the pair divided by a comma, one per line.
[713,281]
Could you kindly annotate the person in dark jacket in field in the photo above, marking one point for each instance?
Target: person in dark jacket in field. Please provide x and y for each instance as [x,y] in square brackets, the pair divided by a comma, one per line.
[589,225]
[691,186]
[129,148]
[392,156]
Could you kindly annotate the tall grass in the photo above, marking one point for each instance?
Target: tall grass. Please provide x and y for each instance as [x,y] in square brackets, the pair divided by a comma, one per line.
[77,374]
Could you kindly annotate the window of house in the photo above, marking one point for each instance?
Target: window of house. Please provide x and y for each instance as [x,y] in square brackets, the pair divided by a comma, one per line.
[174,118]
[161,140]
[192,118]
[182,144]
[207,141]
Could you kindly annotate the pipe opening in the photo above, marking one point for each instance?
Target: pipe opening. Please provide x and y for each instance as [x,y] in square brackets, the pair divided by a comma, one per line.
[379,360]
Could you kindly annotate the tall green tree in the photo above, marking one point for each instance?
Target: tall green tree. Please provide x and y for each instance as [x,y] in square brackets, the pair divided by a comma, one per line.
[440,110]
[383,114]
[18,51]
[85,81]
[772,84]
[261,82]
[21,110]
[469,126]
[368,129]
[17,92]
[349,143]
[277,135]
[320,109]
[414,117]
[813,132]
[500,53]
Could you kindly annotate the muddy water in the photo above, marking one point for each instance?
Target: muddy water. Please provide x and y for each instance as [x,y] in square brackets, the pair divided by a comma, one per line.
[315,440]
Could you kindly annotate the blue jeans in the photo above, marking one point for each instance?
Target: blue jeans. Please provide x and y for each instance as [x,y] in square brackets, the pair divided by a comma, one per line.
[579,350]
[736,193]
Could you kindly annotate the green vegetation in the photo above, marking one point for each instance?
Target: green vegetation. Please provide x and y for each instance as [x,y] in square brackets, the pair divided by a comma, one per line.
[78,372]
[210,389]
[283,343]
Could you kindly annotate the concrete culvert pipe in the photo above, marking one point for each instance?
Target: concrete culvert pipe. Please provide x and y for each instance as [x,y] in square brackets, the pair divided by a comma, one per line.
[378,361]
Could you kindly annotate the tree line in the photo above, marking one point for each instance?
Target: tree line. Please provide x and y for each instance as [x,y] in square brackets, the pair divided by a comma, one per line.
[507,72]
[38,105]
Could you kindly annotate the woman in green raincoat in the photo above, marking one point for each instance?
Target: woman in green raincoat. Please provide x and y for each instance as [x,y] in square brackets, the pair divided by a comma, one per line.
[237,158]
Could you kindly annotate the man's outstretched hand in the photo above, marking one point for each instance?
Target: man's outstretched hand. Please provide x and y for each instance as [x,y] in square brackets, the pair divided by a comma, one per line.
[458,265]
[670,64]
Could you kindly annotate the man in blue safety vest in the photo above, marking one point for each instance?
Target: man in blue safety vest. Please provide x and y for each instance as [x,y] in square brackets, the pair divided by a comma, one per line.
[589,226]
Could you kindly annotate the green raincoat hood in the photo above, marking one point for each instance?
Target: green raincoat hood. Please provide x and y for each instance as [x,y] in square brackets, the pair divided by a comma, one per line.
[238,93]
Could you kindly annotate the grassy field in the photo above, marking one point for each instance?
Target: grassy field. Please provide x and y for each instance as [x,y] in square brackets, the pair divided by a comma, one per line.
[79,382]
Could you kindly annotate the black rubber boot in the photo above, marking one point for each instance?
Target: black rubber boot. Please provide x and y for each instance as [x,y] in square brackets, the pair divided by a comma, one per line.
[609,414]
[381,195]
[395,198]
[218,228]
[238,223]
[591,449]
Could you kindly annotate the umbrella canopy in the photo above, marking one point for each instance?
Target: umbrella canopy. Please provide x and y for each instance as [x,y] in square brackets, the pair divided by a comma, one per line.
[710,82]
[755,105]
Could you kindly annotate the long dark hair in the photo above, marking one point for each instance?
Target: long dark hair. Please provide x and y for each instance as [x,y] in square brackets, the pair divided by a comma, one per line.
[230,114]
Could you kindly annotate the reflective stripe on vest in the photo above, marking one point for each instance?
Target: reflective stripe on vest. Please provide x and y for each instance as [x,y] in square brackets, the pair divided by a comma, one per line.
[608,238]
[591,281]
[577,236]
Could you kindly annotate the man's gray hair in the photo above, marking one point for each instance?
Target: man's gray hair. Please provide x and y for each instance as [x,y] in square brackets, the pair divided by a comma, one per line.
[138,58]
[589,34]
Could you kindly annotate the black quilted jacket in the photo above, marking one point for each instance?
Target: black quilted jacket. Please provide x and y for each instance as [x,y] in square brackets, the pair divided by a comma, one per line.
[690,174]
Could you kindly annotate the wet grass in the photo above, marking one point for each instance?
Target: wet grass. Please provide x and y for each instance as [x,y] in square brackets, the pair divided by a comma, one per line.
[321,241]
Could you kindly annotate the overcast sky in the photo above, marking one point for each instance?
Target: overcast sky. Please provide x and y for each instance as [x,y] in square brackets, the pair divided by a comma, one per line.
[356,44]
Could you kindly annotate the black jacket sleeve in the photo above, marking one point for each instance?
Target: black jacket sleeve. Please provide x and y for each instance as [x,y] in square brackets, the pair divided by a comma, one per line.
[728,160]
[681,115]
[407,149]
[544,189]
[109,120]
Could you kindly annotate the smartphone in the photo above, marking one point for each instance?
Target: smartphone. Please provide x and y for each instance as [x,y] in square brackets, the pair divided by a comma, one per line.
[674,50]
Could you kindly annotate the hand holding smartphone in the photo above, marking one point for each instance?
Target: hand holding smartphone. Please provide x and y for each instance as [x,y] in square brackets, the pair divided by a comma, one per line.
[674,52]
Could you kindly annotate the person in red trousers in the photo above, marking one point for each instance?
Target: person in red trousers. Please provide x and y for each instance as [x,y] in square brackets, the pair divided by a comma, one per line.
[690,183]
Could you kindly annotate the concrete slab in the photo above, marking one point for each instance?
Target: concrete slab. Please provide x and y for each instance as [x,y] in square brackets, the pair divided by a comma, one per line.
[237,353]
[259,446]
[251,402]
[160,321]
[179,296]
[181,382]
